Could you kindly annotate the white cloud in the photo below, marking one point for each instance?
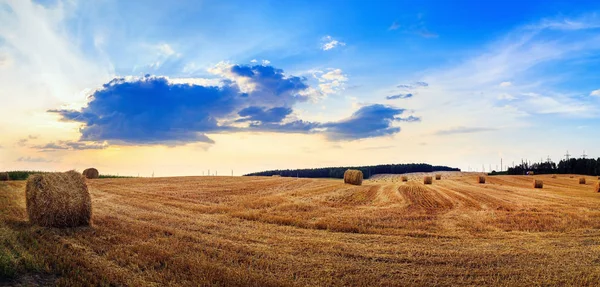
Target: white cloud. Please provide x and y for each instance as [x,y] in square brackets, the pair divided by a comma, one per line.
[330,43]
[505,84]
[330,82]
[266,62]
[394,26]
[253,61]
[595,93]
[165,50]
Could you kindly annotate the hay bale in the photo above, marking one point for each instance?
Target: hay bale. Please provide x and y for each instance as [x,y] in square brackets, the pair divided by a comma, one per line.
[91,173]
[353,176]
[481,179]
[538,183]
[598,186]
[4,176]
[276,175]
[438,176]
[428,180]
[404,178]
[554,176]
[582,180]
[58,199]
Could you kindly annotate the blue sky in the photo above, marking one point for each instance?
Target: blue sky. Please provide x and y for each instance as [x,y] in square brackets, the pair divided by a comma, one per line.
[296,83]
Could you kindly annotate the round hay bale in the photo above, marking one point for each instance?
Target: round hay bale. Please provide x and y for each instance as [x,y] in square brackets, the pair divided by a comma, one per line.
[554,176]
[405,178]
[438,176]
[4,176]
[353,176]
[538,183]
[276,175]
[428,180]
[582,180]
[58,200]
[481,179]
[91,173]
[598,186]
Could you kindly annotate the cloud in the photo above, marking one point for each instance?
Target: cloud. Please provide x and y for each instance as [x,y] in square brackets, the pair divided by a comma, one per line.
[394,26]
[273,115]
[165,50]
[415,25]
[369,121]
[505,84]
[595,93]
[156,110]
[332,81]
[253,61]
[399,96]
[414,85]
[463,130]
[23,141]
[330,43]
[33,159]
[70,145]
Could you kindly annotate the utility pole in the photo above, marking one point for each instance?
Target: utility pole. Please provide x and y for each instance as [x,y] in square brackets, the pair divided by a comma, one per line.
[567,155]
[208,172]
[548,159]
[232,172]
[584,155]
[501,166]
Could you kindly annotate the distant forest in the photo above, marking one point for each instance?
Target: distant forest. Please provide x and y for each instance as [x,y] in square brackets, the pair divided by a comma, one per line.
[587,166]
[368,171]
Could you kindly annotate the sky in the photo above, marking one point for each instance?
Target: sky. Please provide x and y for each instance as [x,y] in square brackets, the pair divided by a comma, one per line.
[230,87]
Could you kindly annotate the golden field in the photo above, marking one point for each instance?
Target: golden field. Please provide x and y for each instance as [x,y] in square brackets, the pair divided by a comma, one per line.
[274,231]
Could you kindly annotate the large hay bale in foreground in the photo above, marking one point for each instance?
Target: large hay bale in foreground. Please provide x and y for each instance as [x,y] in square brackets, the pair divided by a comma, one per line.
[4,176]
[405,178]
[58,199]
[481,179]
[353,176]
[91,173]
[538,183]
[428,180]
[438,176]
[582,180]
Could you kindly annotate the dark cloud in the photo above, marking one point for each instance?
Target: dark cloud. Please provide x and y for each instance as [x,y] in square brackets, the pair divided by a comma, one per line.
[33,159]
[399,96]
[23,141]
[261,114]
[463,130]
[413,85]
[69,145]
[154,110]
[369,121]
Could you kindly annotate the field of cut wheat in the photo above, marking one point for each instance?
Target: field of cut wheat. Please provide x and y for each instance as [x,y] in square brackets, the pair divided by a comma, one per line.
[277,231]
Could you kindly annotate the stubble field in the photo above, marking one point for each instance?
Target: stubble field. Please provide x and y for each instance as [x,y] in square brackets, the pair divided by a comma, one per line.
[259,231]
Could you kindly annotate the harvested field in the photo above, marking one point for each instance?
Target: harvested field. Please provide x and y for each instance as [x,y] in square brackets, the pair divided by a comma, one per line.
[278,231]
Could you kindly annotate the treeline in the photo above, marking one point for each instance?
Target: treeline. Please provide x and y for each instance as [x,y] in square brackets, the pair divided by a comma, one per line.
[21,174]
[587,166]
[368,171]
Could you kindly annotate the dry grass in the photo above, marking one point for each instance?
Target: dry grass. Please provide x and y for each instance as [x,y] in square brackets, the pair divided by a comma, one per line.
[538,183]
[353,176]
[427,180]
[481,179]
[58,199]
[263,231]
[582,180]
[91,173]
